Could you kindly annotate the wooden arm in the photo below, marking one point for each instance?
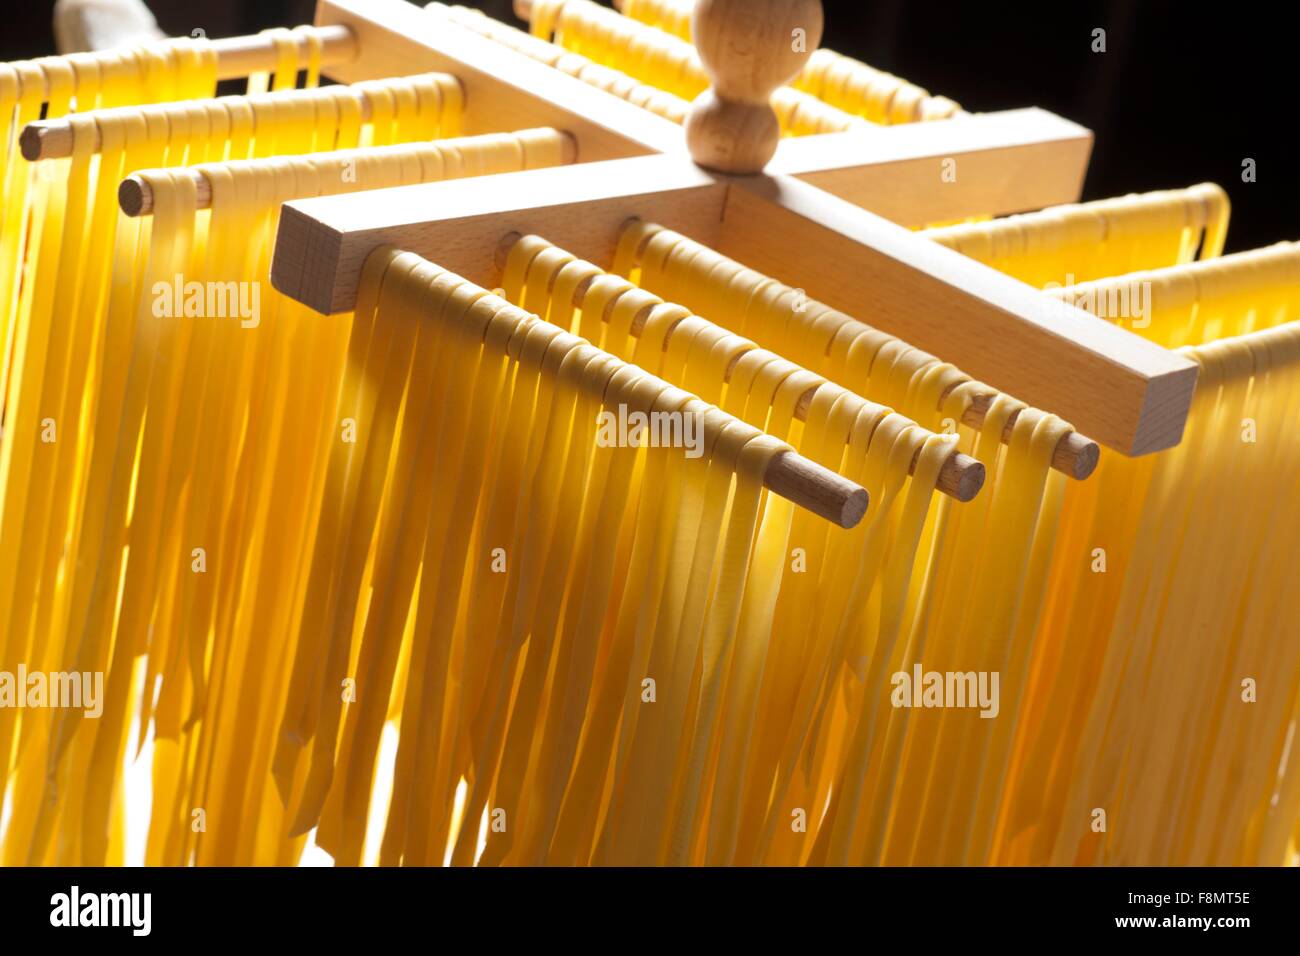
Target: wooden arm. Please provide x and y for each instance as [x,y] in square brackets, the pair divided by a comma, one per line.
[1125,392]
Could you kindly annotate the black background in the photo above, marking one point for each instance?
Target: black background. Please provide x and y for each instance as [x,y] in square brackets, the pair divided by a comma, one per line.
[1184,92]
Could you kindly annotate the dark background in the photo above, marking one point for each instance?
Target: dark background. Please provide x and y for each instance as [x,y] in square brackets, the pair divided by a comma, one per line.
[1184,92]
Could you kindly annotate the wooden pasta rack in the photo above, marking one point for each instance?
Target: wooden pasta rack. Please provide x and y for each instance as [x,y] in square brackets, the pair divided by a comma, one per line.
[814,210]
[828,214]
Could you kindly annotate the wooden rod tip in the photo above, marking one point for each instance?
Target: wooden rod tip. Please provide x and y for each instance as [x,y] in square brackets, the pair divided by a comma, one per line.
[1080,455]
[32,141]
[134,196]
[854,507]
[969,476]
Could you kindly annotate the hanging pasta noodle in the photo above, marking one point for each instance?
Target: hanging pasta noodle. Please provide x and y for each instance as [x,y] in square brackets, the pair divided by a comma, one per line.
[671,16]
[1197,303]
[1141,617]
[54,87]
[538,280]
[57,360]
[518,481]
[70,235]
[770,393]
[1065,245]
[1138,616]
[397,584]
[663,61]
[837,80]
[1178,638]
[915,798]
[657,101]
[58,363]
[236,490]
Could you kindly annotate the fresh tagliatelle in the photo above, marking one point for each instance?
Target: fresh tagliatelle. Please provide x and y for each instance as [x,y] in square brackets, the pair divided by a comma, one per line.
[498,577]
[174,387]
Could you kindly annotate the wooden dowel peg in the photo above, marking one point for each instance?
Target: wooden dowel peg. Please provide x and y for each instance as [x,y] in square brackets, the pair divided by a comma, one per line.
[52,139]
[961,476]
[1075,455]
[135,195]
[800,480]
[48,139]
[816,488]
[238,57]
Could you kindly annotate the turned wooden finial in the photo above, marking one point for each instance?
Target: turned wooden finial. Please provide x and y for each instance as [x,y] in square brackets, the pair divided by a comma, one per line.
[749,48]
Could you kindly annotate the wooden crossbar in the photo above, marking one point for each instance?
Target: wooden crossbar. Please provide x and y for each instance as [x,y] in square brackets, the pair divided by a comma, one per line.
[1118,388]
[1125,392]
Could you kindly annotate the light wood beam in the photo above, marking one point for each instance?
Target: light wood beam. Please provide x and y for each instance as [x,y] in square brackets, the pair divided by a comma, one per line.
[322,243]
[917,174]
[1125,392]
